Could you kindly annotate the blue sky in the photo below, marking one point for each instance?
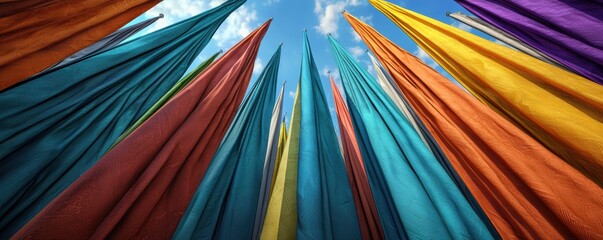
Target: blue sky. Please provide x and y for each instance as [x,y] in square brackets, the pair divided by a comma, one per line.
[319,17]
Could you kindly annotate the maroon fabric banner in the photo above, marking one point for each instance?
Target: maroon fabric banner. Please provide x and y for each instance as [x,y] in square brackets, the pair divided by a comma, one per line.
[141,188]
[368,217]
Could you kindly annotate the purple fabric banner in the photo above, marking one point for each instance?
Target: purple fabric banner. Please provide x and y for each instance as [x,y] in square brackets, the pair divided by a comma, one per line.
[570,31]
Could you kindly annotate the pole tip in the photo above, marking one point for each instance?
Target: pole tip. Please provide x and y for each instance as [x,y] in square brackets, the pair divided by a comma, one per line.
[220,52]
[161,15]
[305,30]
[447,13]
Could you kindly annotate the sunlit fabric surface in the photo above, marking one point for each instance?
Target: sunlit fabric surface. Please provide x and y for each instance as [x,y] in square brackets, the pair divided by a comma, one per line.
[107,42]
[560,109]
[389,87]
[415,196]
[524,189]
[61,28]
[276,129]
[141,188]
[58,124]
[281,216]
[566,30]
[228,194]
[325,206]
[368,218]
[183,82]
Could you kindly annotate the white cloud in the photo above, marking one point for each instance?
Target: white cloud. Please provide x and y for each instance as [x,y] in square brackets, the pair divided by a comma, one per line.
[329,13]
[356,52]
[425,58]
[258,66]
[371,69]
[462,26]
[292,94]
[355,35]
[270,2]
[237,26]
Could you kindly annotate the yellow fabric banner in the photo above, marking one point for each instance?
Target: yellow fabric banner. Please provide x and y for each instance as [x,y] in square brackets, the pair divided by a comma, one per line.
[565,115]
[281,216]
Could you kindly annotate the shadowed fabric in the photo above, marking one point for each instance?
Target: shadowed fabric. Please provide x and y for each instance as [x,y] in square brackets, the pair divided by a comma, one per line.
[281,216]
[566,30]
[141,188]
[325,206]
[57,125]
[388,86]
[107,42]
[228,194]
[282,139]
[560,109]
[368,218]
[269,162]
[183,82]
[526,191]
[415,196]
[61,28]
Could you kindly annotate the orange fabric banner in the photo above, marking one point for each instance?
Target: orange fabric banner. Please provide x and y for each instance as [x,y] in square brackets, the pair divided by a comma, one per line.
[526,191]
[33,38]
[368,217]
[141,188]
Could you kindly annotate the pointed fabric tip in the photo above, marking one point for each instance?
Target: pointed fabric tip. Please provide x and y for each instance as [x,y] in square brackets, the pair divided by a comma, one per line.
[465,134]
[183,141]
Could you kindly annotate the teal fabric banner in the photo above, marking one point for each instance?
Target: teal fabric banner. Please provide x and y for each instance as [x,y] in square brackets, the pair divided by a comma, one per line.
[225,204]
[56,125]
[325,207]
[415,196]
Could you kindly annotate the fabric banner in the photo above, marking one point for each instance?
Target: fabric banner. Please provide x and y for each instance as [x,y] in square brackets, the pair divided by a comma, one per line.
[183,82]
[368,218]
[281,216]
[325,206]
[61,28]
[282,139]
[55,126]
[560,109]
[276,129]
[141,188]
[107,42]
[228,194]
[410,187]
[567,31]
[389,86]
[526,191]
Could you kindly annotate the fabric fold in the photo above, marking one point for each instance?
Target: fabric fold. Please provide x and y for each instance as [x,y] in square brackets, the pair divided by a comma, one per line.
[567,31]
[368,218]
[229,191]
[562,110]
[61,28]
[415,196]
[141,188]
[325,206]
[55,126]
[524,189]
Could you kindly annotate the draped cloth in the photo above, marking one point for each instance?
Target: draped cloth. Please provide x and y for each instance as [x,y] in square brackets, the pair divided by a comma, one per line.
[415,196]
[325,206]
[368,218]
[55,126]
[281,216]
[282,139]
[61,28]
[566,30]
[141,188]
[526,191]
[276,129]
[183,82]
[389,87]
[560,109]
[228,194]
[107,42]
